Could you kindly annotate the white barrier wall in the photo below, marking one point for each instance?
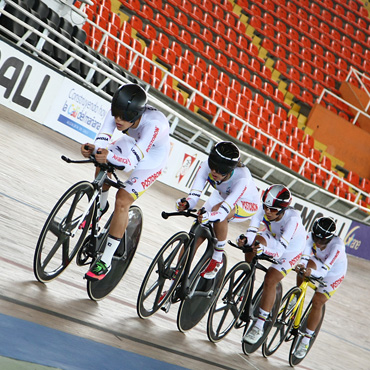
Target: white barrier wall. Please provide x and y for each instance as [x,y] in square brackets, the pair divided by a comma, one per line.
[32,89]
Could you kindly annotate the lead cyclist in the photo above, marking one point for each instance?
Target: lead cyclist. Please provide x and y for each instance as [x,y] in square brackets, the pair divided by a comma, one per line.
[143,149]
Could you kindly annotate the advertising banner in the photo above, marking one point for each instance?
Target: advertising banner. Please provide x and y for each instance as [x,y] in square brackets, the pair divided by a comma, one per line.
[77,112]
[26,86]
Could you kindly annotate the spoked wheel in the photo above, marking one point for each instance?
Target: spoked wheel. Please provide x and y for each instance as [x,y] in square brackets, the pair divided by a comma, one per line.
[230,302]
[283,323]
[203,292]
[121,261]
[64,232]
[250,348]
[293,360]
[163,275]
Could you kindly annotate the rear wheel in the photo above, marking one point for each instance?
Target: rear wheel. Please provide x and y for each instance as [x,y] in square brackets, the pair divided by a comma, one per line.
[293,360]
[203,292]
[250,348]
[283,323]
[163,275]
[122,258]
[64,232]
[230,302]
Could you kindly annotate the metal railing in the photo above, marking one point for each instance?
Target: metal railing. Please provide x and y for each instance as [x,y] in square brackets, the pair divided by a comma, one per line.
[195,131]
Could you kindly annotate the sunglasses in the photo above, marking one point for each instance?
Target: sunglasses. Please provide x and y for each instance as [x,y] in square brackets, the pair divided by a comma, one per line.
[220,173]
[271,209]
[321,241]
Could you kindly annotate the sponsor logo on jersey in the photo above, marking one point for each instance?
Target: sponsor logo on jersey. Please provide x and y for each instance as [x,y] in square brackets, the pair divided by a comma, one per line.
[149,181]
[122,160]
[249,206]
[335,257]
[101,138]
[337,283]
[294,261]
[156,131]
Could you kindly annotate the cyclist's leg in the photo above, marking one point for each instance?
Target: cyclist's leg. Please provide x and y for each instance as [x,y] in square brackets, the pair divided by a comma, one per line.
[321,296]
[274,275]
[142,177]
[244,210]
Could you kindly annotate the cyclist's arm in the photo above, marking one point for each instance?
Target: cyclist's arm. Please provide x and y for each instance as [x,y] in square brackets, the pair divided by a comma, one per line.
[104,136]
[139,150]
[337,250]
[198,185]
[254,225]
[229,203]
[282,241]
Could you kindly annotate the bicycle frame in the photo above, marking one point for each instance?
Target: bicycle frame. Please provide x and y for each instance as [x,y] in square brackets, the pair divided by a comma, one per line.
[196,231]
[298,308]
[101,178]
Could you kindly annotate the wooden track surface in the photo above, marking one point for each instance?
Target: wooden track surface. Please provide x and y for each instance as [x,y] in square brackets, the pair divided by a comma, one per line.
[33,177]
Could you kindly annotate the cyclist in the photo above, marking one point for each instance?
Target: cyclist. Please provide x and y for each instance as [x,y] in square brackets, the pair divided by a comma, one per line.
[324,256]
[234,199]
[283,238]
[144,148]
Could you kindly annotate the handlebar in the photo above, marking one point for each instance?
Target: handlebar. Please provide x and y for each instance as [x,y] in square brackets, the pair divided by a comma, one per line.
[187,213]
[104,166]
[246,249]
[312,279]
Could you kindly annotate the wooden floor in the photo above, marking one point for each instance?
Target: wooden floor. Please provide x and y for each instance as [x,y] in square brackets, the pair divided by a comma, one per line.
[32,178]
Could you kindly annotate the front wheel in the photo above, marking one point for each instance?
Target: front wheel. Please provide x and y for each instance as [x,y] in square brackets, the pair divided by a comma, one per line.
[250,348]
[163,275]
[64,232]
[230,302]
[293,360]
[283,323]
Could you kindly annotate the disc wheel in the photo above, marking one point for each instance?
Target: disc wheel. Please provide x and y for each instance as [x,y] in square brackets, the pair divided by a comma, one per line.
[293,360]
[122,258]
[250,348]
[194,307]
[63,232]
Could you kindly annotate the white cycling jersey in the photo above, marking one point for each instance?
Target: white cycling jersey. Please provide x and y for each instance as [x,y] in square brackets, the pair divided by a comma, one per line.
[285,235]
[331,260]
[239,192]
[144,149]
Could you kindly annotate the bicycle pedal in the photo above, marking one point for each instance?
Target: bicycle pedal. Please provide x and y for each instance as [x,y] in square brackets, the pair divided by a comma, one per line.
[166,307]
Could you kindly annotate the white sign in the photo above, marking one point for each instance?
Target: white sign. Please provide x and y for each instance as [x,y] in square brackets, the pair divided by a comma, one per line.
[77,112]
[26,86]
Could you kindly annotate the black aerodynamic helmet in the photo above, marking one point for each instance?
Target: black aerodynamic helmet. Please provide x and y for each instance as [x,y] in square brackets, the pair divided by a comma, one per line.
[324,228]
[277,196]
[224,157]
[129,102]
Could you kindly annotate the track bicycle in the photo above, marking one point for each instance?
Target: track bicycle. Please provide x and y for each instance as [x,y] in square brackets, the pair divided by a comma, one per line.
[236,304]
[170,277]
[72,230]
[291,322]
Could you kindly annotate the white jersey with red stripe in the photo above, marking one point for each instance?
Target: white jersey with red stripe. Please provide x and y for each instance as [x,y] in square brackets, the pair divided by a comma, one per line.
[151,138]
[288,234]
[330,261]
[238,191]
[144,149]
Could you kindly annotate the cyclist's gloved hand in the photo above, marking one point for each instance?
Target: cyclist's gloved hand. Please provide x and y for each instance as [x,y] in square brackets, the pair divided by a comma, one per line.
[203,216]
[242,241]
[181,204]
